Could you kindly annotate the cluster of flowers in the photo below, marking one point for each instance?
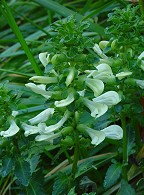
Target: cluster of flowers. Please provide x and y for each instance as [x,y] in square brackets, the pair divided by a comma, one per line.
[94,80]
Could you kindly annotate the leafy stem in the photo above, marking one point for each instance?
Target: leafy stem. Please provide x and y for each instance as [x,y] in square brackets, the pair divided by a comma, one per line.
[125,154]
[76,157]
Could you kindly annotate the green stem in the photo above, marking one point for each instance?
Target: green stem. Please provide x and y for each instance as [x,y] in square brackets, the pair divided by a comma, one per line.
[137,134]
[76,158]
[141,3]
[125,154]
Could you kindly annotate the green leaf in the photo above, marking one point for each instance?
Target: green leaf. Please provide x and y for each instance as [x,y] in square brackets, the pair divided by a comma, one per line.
[84,167]
[72,191]
[112,175]
[34,162]
[22,171]
[35,186]
[7,165]
[126,189]
[61,184]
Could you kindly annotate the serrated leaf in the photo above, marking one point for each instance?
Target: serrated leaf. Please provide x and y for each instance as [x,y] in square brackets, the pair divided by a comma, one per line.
[35,186]
[72,191]
[34,162]
[112,175]
[83,167]
[22,171]
[61,184]
[126,189]
[7,165]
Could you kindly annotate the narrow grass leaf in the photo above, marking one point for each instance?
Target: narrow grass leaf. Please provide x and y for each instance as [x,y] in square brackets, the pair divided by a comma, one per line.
[11,21]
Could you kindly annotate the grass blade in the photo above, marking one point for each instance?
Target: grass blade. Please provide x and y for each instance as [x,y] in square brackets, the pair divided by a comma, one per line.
[11,21]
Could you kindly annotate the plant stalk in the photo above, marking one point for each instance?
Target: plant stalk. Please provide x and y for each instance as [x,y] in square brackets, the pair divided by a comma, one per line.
[141,3]
[76,158]
[125,153]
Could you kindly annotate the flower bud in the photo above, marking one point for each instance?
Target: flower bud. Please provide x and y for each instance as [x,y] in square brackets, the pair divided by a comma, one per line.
[103,44]
[44,79]
[58,58]
[70,76]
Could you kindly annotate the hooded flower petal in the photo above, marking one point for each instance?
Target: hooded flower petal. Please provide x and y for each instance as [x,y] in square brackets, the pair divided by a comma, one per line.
[109,98]
[141,57]
[39,89]
[42,117]
[97,49]
[50,137]
[52,128]
[13,129]
[113,132]
[70,76]
[44,58]
[122,75]
[29,129]
[103,72]
[140,83]
[97,109]
[44,79]
[96,85]
[65,102]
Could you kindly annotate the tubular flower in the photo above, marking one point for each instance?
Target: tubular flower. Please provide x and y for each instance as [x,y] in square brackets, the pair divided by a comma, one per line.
[122,75]
[13,129]
[96,136]
[97,109]
[44,79]
[49,138]
[140,83]
[29,129]
[44,58]
[112,132]
[103,72]
[109,98]
[65,102]
[97,49]
[42,117]
[39,89]
[52,128]
[96,85]
[70,76]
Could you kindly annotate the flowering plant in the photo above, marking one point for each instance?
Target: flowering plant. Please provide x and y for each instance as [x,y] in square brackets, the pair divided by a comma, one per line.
[87,94]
